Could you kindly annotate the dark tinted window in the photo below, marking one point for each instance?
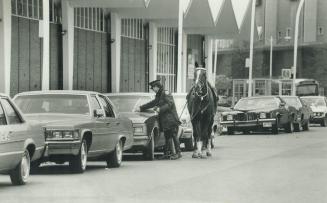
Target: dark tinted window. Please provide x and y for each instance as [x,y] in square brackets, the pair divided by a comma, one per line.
[13,117]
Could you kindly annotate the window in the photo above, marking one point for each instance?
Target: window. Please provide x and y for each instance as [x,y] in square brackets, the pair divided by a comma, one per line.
[106,106]
[31,9]
[132,28]
[12,115]
[95,103]
[2,116]
[166,69]
[89,19]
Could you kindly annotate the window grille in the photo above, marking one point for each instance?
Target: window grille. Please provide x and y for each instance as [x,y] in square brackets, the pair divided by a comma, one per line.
[31,9]
[166,57]
[89,19]
[132,28]
[55,11]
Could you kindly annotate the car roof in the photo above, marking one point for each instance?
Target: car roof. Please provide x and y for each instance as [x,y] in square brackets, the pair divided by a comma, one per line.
[130,94]
[179,94]
[313,97]
[287,96]
[56,92]
[3,95]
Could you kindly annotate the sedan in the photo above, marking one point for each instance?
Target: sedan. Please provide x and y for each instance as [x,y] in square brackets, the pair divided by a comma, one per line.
[21,142]
[302,114]
[78,126]
[147,134]
[259,113]
[318,106]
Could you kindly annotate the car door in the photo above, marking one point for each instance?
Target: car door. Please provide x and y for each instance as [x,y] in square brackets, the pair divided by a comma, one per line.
[12,135]
[113,125]
[284,112]
[99,128]
[305,111]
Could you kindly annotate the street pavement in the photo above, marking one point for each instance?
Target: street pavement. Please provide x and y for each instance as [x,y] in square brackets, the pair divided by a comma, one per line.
[261,168]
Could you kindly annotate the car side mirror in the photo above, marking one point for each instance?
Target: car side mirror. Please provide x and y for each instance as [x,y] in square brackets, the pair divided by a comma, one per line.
[99,113]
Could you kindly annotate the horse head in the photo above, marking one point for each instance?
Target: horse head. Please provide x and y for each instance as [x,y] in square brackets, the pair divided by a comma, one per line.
[200,81]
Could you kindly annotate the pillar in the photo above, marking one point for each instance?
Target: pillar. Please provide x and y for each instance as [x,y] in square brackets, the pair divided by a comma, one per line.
[115,51]
[153,32]
[45,34]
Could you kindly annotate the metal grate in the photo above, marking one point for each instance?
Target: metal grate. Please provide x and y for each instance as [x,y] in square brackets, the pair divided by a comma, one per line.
[166,57]
[89,19]
[132,28]
[31,9]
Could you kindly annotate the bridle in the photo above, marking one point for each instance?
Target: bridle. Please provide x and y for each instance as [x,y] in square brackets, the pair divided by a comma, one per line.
[200,86]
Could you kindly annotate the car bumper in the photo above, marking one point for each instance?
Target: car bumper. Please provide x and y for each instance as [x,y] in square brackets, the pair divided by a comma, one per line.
[261,123]
[317,120]
[62,148]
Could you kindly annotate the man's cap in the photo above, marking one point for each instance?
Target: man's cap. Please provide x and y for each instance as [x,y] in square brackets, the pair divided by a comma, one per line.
[155,83]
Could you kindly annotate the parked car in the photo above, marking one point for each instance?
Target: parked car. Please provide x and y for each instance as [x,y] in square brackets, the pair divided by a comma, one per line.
[302,114]
[21,142]
[78,126]
[318,106]
[259,113]
[147,136]
[220,111]
[187,130]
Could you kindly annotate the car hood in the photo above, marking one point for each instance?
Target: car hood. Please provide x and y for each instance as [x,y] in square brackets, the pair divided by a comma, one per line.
[63,120]
[319,108]
[137,117]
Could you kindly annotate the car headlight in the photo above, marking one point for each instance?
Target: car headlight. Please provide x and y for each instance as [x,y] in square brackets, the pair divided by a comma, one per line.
[263,115]
[139,129]
[229,117]
[62,135]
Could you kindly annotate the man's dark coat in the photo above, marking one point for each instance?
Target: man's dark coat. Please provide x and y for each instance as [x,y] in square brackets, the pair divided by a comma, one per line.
[168,117]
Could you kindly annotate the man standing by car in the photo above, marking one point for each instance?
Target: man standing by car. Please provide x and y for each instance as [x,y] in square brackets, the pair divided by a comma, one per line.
[164,105]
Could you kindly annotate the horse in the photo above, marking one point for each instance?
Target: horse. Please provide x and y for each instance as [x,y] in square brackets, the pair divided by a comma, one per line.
[202,105]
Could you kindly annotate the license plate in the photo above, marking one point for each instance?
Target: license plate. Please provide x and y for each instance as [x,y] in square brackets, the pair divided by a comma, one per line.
[267,124]
[224,129]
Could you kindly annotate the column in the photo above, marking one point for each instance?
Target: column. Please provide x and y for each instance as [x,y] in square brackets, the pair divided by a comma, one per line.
[153,32]
[208,50]
[115,51]
[45,34]
[5,45]
[179,47]
[68,44]
[184,62]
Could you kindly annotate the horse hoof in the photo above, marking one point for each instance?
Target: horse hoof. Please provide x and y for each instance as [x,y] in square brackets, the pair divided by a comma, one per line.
[196,155]
[202,156]
[209,154]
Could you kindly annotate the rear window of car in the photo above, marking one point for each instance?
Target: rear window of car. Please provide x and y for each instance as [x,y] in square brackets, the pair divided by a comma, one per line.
[129,103]
[53,103]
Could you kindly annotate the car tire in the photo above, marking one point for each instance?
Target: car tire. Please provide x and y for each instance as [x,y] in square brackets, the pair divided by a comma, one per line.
[20,174]
[289,128]
[189,144]
[306,126]
[324,122]
[115,158]
[78,163]
[275,128]
[230,131]
[148,153]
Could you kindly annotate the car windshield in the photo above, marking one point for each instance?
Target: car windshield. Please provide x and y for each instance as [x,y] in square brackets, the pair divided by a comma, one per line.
[314,101]
[129,103]
[306,90]
[256,103]
[53,103]
[292,101]
[180,102]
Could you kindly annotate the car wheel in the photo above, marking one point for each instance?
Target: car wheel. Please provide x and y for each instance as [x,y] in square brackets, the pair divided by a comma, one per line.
[289,127]
[78,163]
[20,174]
[324,122]
[189,144]
[275,128]
[230,131]
[148,153]
[297,127]
[116,157]
[306,126]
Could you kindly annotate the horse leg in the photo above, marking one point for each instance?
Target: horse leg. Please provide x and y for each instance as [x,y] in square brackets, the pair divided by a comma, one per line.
[198,142]
[209,148]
